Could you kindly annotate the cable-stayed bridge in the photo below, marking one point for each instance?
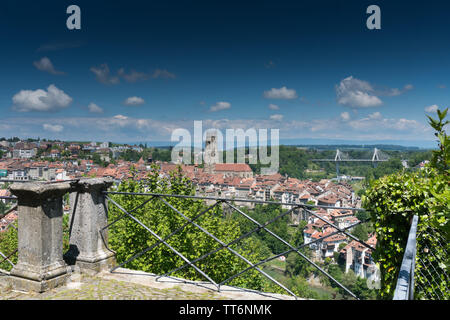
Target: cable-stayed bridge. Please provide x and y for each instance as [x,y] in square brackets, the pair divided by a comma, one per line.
[377,156]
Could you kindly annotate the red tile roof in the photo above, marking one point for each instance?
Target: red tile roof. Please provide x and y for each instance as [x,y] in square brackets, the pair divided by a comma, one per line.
[234,167]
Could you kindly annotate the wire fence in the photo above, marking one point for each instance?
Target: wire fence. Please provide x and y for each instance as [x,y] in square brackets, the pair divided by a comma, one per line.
[432,278]
[258,227]
[8,245]
[429,269]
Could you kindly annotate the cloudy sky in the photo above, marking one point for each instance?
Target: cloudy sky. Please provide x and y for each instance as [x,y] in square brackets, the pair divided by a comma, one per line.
[136,70]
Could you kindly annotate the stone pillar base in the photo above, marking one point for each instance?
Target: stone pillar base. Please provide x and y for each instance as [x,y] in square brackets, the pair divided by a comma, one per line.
[95,267]
[91,265]
[23,284]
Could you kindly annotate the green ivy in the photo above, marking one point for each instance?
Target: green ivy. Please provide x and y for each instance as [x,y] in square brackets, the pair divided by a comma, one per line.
[392,202]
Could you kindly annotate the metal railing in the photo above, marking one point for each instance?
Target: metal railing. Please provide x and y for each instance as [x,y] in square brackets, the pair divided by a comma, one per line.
[404,289]
[163,198]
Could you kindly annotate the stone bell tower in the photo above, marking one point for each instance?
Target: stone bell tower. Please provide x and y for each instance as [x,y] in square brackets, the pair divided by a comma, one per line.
[211,154]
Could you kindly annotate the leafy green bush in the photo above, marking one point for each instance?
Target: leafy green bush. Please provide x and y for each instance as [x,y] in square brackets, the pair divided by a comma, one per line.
[8,244]
[392,202]
[126,237]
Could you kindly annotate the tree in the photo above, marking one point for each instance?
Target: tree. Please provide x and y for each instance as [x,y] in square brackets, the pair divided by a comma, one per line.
[441,157]
[297,237]
[3,208]
[8,244]
[299,266]
[361,232]
[128,238]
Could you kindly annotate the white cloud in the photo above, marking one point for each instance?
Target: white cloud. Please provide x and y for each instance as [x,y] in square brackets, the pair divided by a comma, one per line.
[375,115]
[53,127]
[276,117]
[396,92]
[221,105]
[102,75]
[273,107]
[281,93]
[122,128]
[93,108]
[345,116]
[356,93]
[120,117]
[40,100]
[432,109]
[164,74]
[47,66]
[133,76]
[134,101]
[377,123]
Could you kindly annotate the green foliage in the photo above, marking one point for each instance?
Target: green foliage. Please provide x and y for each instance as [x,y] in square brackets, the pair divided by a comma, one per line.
[3,208]
[361,232]
[349,280]
[392,202]
[126,237]
[299,266]
[302,288]
[441,157]
[8,244]
[262,214]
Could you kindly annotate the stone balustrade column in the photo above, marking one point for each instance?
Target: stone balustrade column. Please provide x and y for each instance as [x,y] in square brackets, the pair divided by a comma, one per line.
[40,263]
[87,249]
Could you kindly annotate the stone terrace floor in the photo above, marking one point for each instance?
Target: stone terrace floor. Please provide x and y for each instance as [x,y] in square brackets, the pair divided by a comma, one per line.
[125,284]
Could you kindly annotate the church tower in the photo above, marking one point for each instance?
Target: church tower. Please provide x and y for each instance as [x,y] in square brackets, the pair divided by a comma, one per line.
[211,154]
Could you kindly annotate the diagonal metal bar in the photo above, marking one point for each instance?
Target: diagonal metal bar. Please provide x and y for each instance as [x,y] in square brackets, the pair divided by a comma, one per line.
[228,244]
[298,248]
[168,245]
[10,224]
[228,248]
[6,258]
[260,226]
[124,215]
[337,228]
[165,239]
[294,249]
[102,230]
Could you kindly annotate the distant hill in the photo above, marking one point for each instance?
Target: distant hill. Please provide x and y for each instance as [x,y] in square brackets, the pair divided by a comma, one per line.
[359,147]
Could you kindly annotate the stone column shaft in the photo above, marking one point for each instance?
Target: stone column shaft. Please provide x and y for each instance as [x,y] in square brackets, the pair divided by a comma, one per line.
[88,217]
[40,263]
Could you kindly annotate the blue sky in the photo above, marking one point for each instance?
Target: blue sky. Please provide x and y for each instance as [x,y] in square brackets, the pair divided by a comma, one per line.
[137,70]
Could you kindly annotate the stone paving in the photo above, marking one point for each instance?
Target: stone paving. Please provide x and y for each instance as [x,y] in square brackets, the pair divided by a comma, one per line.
[127,284]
